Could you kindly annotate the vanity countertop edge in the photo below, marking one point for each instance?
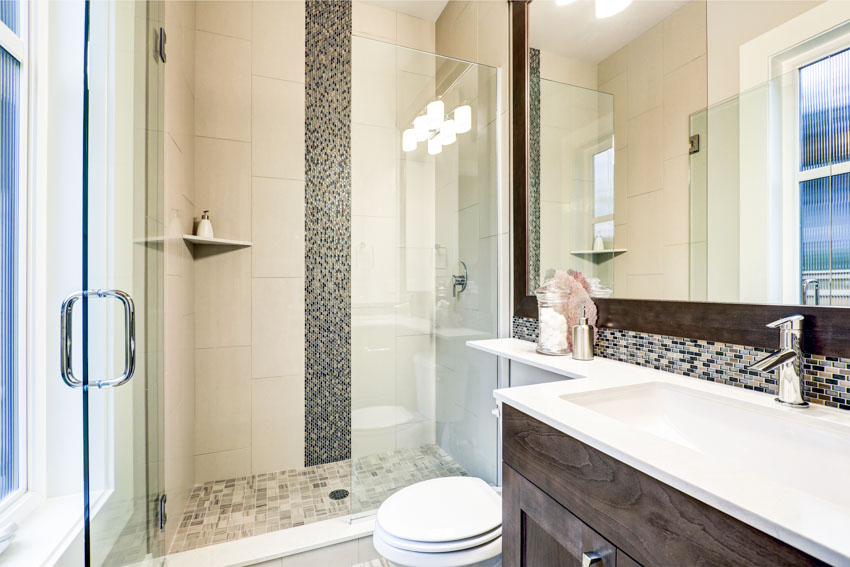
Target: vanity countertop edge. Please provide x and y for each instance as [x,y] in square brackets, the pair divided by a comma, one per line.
[817,526]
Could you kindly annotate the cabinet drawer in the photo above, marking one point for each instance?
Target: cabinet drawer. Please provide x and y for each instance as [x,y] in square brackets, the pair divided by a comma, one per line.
[539,532]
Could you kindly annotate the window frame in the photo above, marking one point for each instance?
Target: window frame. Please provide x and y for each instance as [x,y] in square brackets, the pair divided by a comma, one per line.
[18,46]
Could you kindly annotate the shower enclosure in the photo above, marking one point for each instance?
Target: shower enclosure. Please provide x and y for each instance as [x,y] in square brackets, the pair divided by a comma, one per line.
[423,273]
[424,249]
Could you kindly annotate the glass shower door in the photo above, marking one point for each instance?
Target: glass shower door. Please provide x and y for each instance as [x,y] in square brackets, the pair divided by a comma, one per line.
[118,334]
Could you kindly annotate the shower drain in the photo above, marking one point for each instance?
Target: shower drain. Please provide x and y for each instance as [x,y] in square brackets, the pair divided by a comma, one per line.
[339,494]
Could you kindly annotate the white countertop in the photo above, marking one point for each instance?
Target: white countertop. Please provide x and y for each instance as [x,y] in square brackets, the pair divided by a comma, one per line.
[814,521]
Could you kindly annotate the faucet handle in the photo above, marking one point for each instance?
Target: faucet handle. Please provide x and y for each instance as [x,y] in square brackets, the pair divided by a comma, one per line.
[793,322]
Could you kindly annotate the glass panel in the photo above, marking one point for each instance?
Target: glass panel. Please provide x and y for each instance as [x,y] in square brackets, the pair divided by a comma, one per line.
[603,184]
[10,14]
[576,183]
[9,273]
[123,251]
[421,399]
[815,115]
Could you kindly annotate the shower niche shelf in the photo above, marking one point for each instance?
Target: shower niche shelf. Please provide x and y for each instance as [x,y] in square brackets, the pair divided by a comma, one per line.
[597,252]
[215,241]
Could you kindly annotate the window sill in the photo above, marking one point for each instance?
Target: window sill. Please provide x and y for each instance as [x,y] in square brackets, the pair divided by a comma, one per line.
[46,533]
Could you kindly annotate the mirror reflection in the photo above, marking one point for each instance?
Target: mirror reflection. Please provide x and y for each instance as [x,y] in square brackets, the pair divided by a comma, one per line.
[692,150]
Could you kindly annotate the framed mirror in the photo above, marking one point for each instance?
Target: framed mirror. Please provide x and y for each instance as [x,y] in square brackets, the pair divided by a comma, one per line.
[695,152]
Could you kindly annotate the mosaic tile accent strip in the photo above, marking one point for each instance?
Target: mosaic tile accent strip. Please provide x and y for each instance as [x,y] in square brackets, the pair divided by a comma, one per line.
[827,377]
[327,232]
[534,168]
[231,509]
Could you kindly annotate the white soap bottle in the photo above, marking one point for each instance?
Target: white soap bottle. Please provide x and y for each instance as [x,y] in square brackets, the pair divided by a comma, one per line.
[205,229]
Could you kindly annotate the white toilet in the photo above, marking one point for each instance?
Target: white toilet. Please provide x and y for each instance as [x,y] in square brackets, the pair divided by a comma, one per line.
[443,522]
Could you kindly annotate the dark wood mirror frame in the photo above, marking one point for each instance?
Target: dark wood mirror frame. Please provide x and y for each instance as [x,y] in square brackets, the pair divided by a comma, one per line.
[827,329]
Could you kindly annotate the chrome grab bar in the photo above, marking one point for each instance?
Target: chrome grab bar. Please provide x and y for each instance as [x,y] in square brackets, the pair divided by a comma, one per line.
[67,340]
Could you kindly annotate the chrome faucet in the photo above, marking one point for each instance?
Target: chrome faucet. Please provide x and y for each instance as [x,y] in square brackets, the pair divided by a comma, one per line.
[788,359]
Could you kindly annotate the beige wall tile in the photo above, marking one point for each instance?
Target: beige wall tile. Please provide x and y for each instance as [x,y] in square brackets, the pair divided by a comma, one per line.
[223,87]
[646,159]
[414,32]
[277,327]
[219,466]
[374,151]
[493,38]
[616,64]
[373,21]
[222,297]
[457,30]
[645,232]
[223,174]
[373,260]
[685,92]
[223,399]
[676,201]
[676,272]
[277,424]
[225,18]
[685,35]
[646,64]
[556,67]
[278,129]
[277,228]
[650,286]
[278,44]
[373,84]
[621,186]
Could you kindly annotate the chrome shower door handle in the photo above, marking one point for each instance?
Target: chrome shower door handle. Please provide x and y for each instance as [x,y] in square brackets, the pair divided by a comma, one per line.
[66,330]
[66,337]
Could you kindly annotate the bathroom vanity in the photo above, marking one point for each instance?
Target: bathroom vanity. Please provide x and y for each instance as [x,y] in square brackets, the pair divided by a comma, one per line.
[616,464]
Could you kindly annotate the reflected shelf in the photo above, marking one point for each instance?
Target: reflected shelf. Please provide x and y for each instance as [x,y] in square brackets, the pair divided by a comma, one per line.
[596,252]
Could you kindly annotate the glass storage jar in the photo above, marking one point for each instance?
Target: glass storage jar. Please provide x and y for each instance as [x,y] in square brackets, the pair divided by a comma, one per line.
[552,298]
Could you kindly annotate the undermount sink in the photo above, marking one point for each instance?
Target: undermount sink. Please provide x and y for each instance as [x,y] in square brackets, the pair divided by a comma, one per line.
[781,444]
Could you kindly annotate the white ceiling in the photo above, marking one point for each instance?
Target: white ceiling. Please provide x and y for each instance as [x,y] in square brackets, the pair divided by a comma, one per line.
[574,31]
[426,9]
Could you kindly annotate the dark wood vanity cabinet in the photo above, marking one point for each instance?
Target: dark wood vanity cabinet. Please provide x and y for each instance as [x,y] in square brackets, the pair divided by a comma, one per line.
[563,501]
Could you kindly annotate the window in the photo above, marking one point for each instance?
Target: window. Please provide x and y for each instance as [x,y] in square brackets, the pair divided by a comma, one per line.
[824,179]
[603,196]
[13,113]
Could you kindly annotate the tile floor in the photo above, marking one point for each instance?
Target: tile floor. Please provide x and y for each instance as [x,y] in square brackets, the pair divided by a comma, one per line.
[230,509]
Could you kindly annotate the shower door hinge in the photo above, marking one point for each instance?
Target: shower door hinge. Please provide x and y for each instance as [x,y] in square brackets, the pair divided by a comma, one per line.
[693,144]
[163,517]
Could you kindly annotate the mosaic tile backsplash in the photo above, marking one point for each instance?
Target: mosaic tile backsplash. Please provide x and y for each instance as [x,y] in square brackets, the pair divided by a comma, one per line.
[827,377]
[327,233]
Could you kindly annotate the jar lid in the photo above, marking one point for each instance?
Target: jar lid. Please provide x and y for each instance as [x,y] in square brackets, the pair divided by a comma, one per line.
[552,290]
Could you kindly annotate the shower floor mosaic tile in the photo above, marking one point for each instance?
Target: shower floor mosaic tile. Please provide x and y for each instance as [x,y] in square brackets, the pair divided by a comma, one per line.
[234,508]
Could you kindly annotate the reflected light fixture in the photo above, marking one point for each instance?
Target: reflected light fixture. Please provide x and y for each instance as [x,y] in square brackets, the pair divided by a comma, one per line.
[420,127]
[435,114]
[435,146]
[608,8]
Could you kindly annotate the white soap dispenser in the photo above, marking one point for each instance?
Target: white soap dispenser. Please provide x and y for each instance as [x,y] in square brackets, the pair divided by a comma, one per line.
[205,229]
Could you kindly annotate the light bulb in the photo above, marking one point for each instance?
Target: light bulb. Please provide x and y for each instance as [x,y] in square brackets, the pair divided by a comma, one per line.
[447,133]
[435,112]
[608,8]
[434,145]
[408,140]
[463,119]
[420,126]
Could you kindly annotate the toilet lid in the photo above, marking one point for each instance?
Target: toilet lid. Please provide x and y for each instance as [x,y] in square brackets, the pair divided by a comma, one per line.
[442,510]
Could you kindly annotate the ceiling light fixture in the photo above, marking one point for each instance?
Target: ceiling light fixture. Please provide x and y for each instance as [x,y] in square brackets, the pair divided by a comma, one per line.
[434,127]
[608,8]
